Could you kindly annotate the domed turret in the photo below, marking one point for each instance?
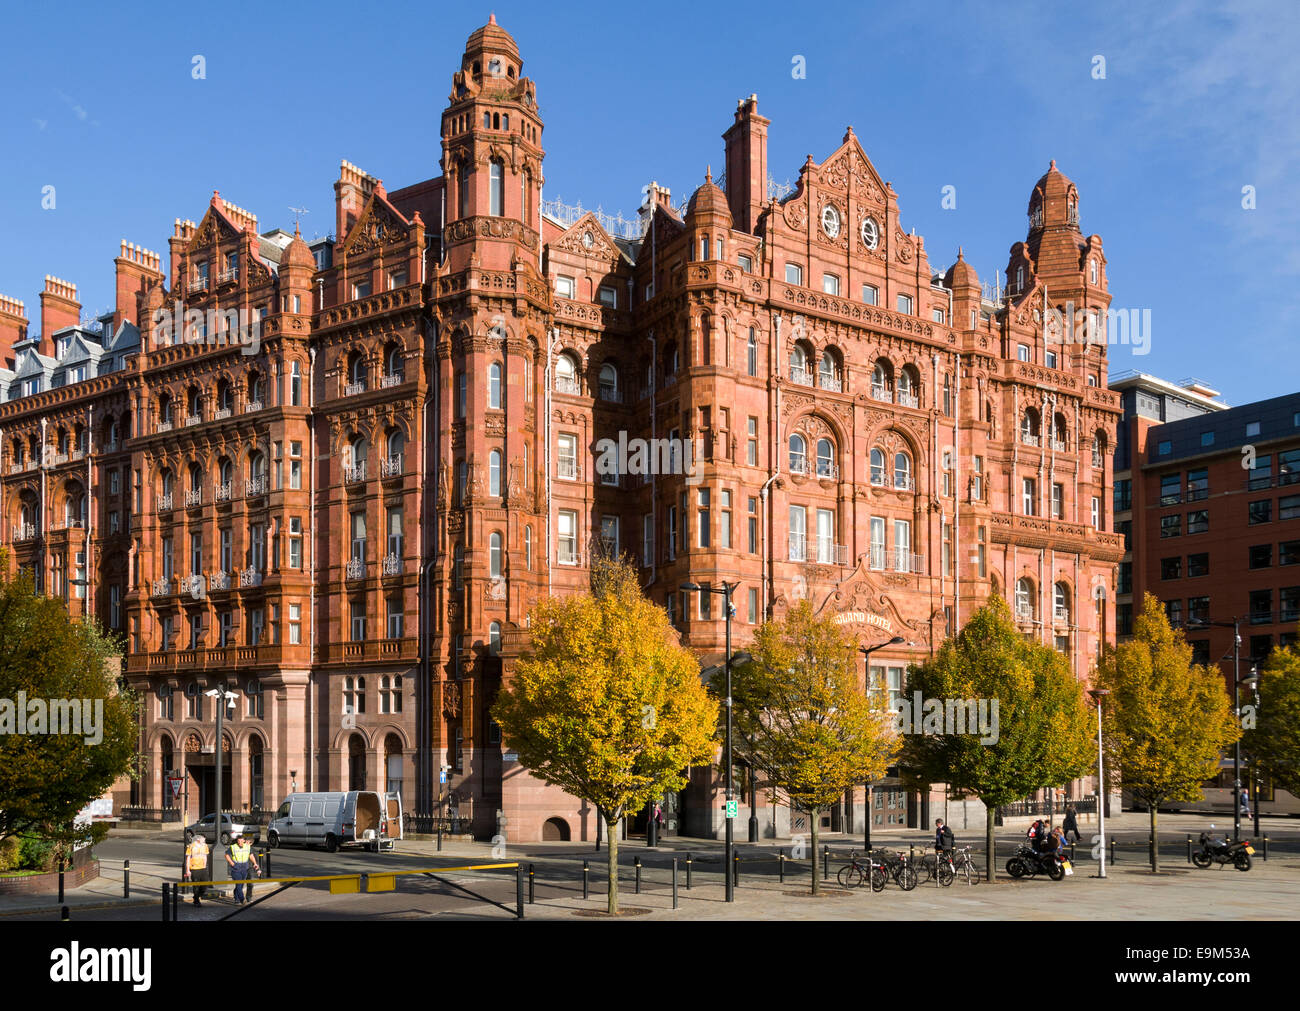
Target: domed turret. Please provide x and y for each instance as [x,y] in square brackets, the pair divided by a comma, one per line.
[709,201]
[297,253]
[961,275]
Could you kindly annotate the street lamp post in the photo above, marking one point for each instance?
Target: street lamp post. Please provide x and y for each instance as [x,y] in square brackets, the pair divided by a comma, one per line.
[725,591]
[220,698]
[1235,625]
[1097,695]
[1252,679]
[866,652]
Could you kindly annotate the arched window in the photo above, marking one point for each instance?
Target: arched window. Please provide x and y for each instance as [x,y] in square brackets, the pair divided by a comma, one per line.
[392,359]
[256,465]
[358,452]
[226,470]
[798,454]
[225,396]
[196,477]
[528,548]
[357,369]
[1092,271]
[1029,427]
[464,181]
[566,374]
[167,483]
[1061,602]
[799,365]
[902,471]
[828,371]
[881,381]
[494,556]
[826,458]
[608,382]
[1059,432]
[494,472]
[396,444]
[1020,278]
[909,386]
[1024,599]
[1099,450]
[494,638]
[164,409]
[256,388]
[525,196]
[193,407]
[877,466]
[494,386]
[497,203]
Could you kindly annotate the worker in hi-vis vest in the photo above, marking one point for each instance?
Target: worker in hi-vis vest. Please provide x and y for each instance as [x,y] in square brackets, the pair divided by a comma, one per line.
[239,857]
[198,865]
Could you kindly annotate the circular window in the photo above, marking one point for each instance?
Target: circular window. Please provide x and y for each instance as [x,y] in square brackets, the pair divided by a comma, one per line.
[870,233]
[830,221]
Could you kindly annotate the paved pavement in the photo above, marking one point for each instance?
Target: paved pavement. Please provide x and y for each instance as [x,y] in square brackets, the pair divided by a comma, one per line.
[1270,891]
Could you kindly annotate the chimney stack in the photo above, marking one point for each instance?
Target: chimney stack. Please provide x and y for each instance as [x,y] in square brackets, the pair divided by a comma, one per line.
[746,141]
[59,309]
[137,270]
[13,324]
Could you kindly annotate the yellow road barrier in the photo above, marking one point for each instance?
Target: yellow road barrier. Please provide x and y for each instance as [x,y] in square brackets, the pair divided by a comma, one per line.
[384,881]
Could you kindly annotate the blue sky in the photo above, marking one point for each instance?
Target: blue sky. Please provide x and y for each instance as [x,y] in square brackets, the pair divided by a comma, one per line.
[1196,104]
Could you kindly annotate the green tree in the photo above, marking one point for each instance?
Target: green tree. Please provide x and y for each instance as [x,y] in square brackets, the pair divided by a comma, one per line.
[46,778]
[802,718]
[1274,740]
[608,705]
[1042,735]
[1166,720]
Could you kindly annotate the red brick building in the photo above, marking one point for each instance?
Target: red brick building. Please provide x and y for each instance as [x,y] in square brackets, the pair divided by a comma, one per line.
[373,497]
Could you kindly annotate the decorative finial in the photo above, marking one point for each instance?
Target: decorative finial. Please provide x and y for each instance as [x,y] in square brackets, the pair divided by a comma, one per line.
[708,173]
[959,252]
[1052,166]
[492,18]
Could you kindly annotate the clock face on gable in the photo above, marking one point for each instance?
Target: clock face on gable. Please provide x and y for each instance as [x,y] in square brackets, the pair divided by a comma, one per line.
[830,221]
[870,233]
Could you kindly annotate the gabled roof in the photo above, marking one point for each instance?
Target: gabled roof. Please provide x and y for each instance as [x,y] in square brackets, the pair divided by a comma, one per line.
[378,223]
[603,245]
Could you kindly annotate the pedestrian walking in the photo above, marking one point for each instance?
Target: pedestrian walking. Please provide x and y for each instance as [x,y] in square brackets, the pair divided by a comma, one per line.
[1245,803]
[1071,824]
[239,857]
[198,866]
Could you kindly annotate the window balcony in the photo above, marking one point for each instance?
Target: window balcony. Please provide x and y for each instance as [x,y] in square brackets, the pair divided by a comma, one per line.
[218,581]
[904,560]
[830,553]
[567,384]
[798,464]
[162,587]
[1062,615]
[392,565]
[828,469]
[221,413]
[164,503]
[199,283]
[352,389]
[800,376]
[252,407]
[354,473]
[1029,439]
[250,577]
[833,382]
[798,548]
[904,482]
[24,532]
[76,454]
[566,469]
[908,399]
[882,393]
[255,486]
[229,276]
[611,395]
[192,420]
[391,466]
[194,497]
[390,379]
[221,493]
[164,426]
[356,568]
[1058,445]
[1024,612]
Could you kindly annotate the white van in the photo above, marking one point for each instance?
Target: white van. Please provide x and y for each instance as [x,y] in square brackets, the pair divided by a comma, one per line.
[355,818]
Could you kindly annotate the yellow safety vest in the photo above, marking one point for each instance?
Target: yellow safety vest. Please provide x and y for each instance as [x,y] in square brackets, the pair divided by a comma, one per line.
[198,854]
[239,854]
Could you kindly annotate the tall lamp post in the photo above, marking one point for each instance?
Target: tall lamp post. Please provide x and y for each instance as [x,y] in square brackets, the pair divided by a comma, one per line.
[1252,680]
[220,699]
[1097,695]
[725,590]
[1235,625]
[866,651]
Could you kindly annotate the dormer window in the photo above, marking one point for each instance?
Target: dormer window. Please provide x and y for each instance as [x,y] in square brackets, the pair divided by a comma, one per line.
[64,344]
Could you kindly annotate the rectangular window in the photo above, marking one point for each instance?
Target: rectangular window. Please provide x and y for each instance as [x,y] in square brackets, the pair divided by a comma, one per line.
[1288,553]
[1289,604]
[1096,513]
[1171,526]
[1198,609]
[1123,619]
[1198,484]
[977,480]
[394,617]
[566,461]
[751,353]
[830,284]
[1171,568]
[1260,556]
[1288,467]
[295,624]
[1164,448]
[981,552]
[1198,564]
[753,526]
[1058,501]
[360,289]
[609,534]
[793,274]
[1022,352]
[1261,475]
[1207,438]
[936,315]
[826,537]
[798,534]
[703,516]
[746,263]
[358,624]
[1049,359]
[753,606]
[1123,495]
[1261,511]
[567,543]
[1288,507]
[751,448]
[1261,607]
[1029,496]
[564,286]
[1198,522]
[608,296]
[647,540]
[1124,578]
[1174,612]
[724,530]
[905,304]
[870,294]
[1171,489]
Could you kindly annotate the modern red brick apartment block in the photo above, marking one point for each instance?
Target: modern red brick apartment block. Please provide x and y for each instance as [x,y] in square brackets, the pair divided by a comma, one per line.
[350,524]
[1215,514]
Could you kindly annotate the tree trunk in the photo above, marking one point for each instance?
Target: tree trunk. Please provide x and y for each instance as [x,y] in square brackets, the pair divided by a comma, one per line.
[1155,847]
[815,815]
[611,839]
[990,857]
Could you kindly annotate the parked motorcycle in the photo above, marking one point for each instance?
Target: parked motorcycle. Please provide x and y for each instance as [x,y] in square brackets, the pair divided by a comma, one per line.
[1029,862]
[1221,851]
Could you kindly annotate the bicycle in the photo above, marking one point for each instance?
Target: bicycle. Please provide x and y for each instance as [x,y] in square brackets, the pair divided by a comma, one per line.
[939,865]
[964,864]
[897,867]
[854,874]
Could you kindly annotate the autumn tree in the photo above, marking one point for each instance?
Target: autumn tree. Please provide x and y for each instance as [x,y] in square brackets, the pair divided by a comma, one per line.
[47,773]
[1037,722]
[802,717]
[1166,720]
[607,704]
[1272,737]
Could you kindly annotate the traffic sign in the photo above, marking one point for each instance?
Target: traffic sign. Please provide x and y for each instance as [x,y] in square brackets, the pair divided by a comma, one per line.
[732,808]
[442,776]
[176,786]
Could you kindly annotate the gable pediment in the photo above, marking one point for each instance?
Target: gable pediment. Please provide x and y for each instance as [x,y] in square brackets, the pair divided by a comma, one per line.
[380,223]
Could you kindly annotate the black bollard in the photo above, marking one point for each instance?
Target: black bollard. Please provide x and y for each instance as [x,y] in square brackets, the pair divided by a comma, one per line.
[1151,849]
[1189,847]
[780,859]
[531,877]
[1072,856]
[60,880]
[636,862]
[826,863]
[266,862]
[65,914]
[166,900]
[176,904]
[688,871]
[1112,849]
[1266,847]
[126,879]
[585,882]
[735,874]
[519,891]
[674,882]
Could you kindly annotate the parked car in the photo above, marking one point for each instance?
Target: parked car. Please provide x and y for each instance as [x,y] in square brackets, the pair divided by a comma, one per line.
[230,829]
[357,817]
